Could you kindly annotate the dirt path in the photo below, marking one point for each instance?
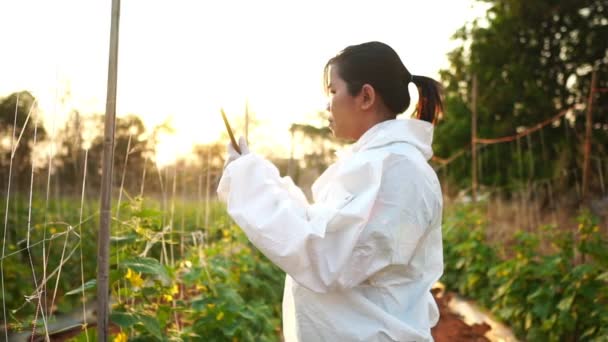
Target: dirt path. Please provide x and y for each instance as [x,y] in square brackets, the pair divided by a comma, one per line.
[451,328]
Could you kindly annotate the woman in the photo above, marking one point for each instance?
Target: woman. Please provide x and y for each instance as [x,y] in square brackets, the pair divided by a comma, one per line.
[361,259]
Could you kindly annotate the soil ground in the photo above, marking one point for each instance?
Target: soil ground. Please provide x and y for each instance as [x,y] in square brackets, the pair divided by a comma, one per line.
[451,327]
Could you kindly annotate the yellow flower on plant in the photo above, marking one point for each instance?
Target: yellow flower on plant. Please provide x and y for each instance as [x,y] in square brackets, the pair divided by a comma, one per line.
[134,278]
[174,290]
[168,298]
[53,230]
[219,316]
[121,337]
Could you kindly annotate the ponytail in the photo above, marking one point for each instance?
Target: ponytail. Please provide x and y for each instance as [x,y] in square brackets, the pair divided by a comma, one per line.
[430,104]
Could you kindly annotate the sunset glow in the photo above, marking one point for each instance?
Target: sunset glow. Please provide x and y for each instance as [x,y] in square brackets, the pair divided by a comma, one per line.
[183,60]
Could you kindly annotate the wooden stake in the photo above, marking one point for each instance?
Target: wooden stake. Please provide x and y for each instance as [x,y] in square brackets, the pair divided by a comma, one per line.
[587,146]
[103,239]
[473,141]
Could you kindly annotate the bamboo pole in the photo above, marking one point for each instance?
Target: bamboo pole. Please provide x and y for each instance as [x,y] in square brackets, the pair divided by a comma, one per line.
[103,240]
[587,146]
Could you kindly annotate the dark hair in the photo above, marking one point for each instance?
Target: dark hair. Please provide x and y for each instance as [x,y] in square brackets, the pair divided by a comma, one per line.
[378,65]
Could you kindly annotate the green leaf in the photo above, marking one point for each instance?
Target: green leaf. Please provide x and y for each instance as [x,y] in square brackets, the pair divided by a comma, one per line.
[123,238]
[163,313]
[91,284]
[565,304]
[151,325]
[528,323]
[603,276]
[147,266]
[123,319]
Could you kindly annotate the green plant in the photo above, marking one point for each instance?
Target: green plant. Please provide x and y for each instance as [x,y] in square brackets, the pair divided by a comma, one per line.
[562,295]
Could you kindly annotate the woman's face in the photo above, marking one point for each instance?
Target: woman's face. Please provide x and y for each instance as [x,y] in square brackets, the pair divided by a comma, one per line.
[341,106]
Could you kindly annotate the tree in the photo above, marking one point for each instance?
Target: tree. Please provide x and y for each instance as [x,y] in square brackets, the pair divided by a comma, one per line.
[532,59]
[86,133]
[23,105]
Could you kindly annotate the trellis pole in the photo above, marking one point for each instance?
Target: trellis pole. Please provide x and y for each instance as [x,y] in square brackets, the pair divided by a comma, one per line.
[474,140]
[588,126]
[103,239]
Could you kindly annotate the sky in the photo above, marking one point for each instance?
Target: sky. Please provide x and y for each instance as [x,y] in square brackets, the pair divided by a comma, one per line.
[182,60]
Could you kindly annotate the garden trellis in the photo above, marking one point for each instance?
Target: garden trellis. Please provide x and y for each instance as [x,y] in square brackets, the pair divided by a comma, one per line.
[55,242]
[530,189]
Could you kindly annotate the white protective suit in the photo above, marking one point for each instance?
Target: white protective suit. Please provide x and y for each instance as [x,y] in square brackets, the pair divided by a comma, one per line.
[361,259]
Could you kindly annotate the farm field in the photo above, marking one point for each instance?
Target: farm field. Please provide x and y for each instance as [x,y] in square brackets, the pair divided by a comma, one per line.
[174,278]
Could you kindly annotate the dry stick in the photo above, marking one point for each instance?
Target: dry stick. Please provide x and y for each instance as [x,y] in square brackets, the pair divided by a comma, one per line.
[46,210]
[29,229]
[542,144]
[480,167]
[172,219]
[122,185]
[521,177]
[65,245]
[552,202]
[181,250]
[567,132]
[84,305]
[122,181]
[537,215]
[52,274]
[141,193]
[183,217]
[577,184]
[474,140]
[23,129]
[497,168]
[199,196]
[600,172]
[511,175]
[143,179]
[207,194]
[532,192]
[51,154]
[162,189]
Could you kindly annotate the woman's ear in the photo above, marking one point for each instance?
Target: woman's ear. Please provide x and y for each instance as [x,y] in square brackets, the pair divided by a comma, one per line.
[368,96]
